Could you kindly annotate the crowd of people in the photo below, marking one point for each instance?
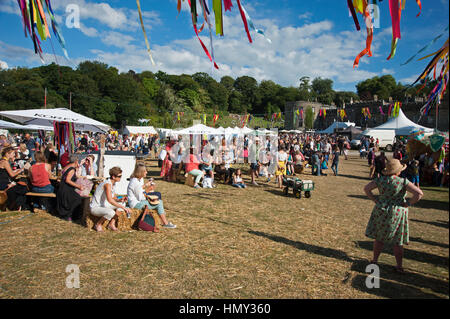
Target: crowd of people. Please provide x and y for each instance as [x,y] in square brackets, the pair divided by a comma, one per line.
[269,157]
[30,164]
[208,160]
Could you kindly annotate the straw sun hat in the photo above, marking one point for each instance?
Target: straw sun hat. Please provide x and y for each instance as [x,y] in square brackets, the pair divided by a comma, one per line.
[393,166]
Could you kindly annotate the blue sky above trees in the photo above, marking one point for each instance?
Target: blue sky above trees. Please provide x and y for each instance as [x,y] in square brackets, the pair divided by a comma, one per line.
[309,38]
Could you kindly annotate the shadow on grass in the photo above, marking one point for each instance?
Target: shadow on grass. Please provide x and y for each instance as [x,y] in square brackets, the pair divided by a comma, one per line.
[440,223]
[424,203]
[432,204]
[354,176]
[359,196]
[402,287]
[434,189]
[432,243]
[318,250]
[278,191]
[410,254]
[153,173]
[393,290]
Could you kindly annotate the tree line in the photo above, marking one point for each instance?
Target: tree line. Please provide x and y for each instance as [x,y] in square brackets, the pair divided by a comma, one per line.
[101,92]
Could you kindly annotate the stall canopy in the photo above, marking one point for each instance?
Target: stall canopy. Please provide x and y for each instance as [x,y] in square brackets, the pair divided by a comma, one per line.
[336,125]
[10,125]
[46,117]
[402,125]
[139,130]
[199,129]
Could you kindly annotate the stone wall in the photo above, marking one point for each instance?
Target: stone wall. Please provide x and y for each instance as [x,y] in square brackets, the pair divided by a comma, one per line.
[411,108]
[295,122]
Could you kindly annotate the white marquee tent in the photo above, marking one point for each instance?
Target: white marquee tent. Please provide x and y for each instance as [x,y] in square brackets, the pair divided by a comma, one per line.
[139,130]
[402,125]
[10,125]
[198,129]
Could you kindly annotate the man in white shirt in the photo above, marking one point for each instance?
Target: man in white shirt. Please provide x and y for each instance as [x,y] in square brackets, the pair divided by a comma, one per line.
[162,156]
[327,151]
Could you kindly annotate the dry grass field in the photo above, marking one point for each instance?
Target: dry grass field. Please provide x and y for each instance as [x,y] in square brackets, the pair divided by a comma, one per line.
[232,243]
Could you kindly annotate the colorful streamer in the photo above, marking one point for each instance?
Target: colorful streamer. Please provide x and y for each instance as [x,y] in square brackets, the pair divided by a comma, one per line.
[218,14]
[228,5]
[35,23]
[369,27]
[145,33]
[252,26]
[244,20]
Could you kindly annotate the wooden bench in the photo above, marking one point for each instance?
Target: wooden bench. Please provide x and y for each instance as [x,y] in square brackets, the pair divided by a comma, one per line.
[53,195]
[40,199]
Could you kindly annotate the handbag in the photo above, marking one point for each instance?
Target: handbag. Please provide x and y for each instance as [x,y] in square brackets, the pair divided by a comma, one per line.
[87,187]
[147,221]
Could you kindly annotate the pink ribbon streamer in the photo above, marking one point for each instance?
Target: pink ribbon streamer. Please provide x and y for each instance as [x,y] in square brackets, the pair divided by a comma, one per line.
[227,4]
[395,16]
[244,19]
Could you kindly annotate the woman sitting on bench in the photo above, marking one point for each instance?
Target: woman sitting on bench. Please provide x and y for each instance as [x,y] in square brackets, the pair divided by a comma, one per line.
[137,198]
[6,172]
[67,199]
[40,174]
[15,193]
[104,203]
[192,167]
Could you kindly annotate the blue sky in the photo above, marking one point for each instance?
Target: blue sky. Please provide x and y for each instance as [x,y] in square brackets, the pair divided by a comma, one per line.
[309,38]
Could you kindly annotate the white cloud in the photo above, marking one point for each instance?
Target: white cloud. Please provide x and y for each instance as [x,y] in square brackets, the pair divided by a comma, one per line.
[3,65]
[114,18]
[117,39]
[313,49]
[305,16]
[19,56]
[9,6]
[90,32]
[409,80]
[387,71]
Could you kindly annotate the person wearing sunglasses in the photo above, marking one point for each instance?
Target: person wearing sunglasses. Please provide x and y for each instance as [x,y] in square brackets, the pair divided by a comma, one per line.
[104,203]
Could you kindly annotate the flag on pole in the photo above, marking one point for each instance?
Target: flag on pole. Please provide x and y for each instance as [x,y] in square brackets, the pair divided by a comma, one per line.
[215,118]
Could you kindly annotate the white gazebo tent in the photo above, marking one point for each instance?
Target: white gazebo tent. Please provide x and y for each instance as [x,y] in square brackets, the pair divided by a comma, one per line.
[46,117]
[246,130]
[330,129]
[402,125]
[139,130]
[198,129]
[10,125]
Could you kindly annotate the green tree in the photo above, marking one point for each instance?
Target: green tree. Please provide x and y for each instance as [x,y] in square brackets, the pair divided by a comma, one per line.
[305,89]
[248,87]
[235,103]
[323,90]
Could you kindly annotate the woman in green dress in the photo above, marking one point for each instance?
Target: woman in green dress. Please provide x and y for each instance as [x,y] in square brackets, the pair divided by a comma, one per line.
[389,219]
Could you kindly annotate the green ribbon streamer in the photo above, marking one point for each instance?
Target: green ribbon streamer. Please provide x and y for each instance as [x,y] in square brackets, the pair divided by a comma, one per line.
[218,13]
[427,46]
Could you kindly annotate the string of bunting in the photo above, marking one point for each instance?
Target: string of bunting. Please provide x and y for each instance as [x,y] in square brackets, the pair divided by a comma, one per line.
[35,23]
[363,7]
[437,93]
[218,17]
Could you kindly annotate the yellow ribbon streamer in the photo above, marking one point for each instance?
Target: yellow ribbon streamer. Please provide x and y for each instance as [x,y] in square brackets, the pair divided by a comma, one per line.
[145,33]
